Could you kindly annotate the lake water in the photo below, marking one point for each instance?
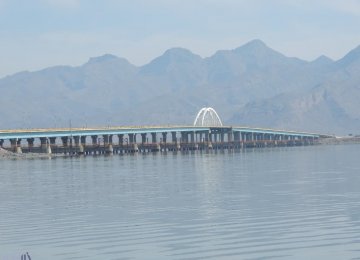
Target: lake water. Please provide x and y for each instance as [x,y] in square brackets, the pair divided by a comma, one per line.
[290,203]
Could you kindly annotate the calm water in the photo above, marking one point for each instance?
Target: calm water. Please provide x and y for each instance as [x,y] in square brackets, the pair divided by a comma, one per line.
[290,203]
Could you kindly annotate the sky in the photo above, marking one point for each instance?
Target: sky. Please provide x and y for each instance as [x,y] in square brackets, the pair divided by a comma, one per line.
[35,34]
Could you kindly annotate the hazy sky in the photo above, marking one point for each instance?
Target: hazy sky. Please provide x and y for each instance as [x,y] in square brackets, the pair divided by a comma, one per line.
[39,33]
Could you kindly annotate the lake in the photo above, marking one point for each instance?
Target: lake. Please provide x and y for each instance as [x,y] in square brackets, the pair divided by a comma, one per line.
[264,203]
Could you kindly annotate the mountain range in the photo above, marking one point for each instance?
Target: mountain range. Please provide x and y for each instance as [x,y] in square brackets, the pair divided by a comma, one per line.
[252,85]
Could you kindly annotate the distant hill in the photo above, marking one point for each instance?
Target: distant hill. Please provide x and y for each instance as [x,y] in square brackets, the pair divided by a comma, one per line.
[250,85]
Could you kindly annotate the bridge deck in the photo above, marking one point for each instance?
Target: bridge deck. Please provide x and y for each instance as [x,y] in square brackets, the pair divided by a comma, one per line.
[59,132]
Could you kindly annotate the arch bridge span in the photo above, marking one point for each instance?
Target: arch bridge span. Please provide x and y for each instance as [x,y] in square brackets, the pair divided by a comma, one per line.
[148,138]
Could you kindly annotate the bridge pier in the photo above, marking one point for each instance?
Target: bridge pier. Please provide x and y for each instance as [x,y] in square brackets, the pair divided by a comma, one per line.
[30,142]
[121,139]
[82,140]
[143,138]
[173,137]
[16,145]
[52,141]
[44,145]
[65,141]
[164,135]
[13,143]
[153,138]
[131,138]
[94,140]
[192,137]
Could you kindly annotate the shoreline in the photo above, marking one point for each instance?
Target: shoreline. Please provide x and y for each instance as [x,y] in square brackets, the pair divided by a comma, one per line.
[5,155]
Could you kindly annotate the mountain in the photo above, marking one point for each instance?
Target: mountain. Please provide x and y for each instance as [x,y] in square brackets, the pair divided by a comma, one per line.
[249,85]
[176,68]
[331,106]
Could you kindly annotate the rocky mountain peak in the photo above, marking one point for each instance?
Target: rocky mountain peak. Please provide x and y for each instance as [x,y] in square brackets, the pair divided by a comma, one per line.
[350,58]
[103,58]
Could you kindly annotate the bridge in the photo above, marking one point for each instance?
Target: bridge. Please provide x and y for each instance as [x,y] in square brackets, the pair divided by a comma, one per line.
[207,132]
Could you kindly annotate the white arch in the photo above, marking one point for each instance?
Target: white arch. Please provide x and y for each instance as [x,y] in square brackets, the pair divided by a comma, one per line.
[207,116]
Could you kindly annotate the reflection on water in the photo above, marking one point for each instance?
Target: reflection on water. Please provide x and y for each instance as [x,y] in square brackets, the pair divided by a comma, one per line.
[298,203]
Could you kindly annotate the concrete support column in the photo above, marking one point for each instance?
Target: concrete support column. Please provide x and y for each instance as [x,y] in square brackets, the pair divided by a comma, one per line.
[52,141]
[83,140]
[164,137]
[43,142]
[13,144]
[201,137]
[183,138]
[121,139]
[143,138]
[77,141]
[108,143]
[131,138]
[192,137]
[153,138]
[237,136]
[215,137]
[30,142]
[302,140]
[1,142]
[206,136]
[65,141]
[173,137]
[107,139]
[94,139]
[18,146]
[210,137]
[230,136]
[222,137]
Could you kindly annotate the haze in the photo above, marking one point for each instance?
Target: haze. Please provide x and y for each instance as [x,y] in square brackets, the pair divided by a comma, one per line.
[42,33]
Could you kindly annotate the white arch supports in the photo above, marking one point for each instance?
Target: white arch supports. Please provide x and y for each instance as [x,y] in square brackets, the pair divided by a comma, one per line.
[207,116]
